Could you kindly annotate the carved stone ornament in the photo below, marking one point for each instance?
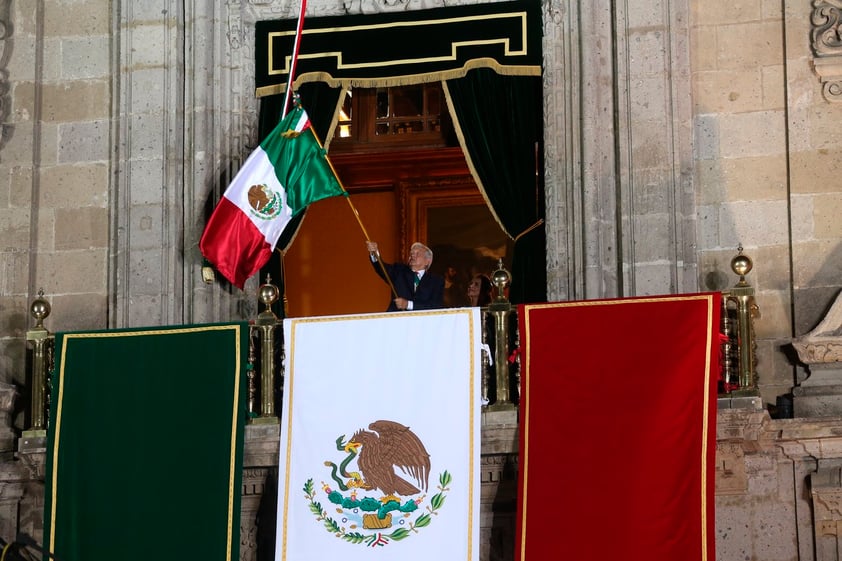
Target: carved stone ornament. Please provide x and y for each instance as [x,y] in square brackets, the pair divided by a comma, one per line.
[823,344]
[826,39]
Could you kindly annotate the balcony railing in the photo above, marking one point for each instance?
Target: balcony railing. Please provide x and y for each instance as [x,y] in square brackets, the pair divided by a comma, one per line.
[500,358]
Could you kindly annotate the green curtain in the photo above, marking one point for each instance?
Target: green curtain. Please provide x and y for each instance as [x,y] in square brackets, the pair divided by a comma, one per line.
[501,124]
[319,100]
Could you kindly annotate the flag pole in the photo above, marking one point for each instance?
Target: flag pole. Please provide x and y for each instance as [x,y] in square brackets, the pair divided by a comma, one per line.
[356,215]
[294,59]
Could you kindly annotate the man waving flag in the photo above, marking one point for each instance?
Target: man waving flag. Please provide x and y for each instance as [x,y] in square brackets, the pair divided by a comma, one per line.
[287,172]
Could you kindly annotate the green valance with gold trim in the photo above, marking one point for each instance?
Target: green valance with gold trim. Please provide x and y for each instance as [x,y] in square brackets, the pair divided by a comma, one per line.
[392,49]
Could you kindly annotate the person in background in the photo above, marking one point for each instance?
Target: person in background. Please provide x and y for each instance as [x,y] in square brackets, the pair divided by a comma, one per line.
[416,287]
[479,290]
[454,289]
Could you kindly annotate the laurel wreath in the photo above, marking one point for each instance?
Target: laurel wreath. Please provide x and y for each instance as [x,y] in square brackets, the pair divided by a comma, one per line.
[379,538]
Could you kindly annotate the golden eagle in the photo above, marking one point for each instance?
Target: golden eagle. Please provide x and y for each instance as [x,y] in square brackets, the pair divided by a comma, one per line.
[391,445]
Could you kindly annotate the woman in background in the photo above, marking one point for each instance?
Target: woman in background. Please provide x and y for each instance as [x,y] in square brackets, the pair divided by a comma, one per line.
[479,290]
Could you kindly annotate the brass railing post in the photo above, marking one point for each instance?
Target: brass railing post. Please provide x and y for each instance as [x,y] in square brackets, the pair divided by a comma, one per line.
[741,298]
[501,309]
[266,323]
[40,337]
[485,357]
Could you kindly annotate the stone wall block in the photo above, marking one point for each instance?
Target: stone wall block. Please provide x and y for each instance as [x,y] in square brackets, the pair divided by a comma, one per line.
[775,368]
[14,316]
[84,142]
[646,13]
[647,100]
[146,273]
[708,228]
[21,66]
[828,216]
[73,186]
[22,101]
[19,148]
[749,45]
[651,188]
[715,270]
[85,17]
[14,272]
[147,177]
[20,185]
[146,227]
[759,178]
[651,147]
[815,171]
[703,48]
[647,53]
[825,131]
[759,133]
[707,137]
[149,42]
[67,272]
[753,224]
[817,263]
[14,229]
[147,133]
[81,100]
[50,60]
[652,236]
[147,89]
[653,279]
[81,228]
[771,268]
[45,235]
[716,12]
[774,88]
[710,182]
[85,58]
[49,145]
[774,314]
[80,311]
[727,91]
[23,15]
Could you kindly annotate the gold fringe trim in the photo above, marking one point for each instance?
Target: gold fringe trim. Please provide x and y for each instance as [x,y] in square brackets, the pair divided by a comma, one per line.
[404,80]
[334,122]
[536,225]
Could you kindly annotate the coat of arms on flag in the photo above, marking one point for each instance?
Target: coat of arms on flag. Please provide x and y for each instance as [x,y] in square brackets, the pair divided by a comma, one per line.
[285,173]
[380,436]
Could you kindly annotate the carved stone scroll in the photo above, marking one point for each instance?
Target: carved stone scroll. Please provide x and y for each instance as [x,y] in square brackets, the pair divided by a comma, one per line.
[826,40]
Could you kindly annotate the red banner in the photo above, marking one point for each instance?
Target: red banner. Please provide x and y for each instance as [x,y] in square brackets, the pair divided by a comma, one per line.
[618,427]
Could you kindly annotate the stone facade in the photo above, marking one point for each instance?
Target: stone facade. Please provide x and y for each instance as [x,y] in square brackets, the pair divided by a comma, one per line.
[674,133]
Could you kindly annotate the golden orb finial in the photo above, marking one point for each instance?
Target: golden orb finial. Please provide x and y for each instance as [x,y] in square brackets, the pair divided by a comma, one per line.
[268,293]
[741,265]
[40,309]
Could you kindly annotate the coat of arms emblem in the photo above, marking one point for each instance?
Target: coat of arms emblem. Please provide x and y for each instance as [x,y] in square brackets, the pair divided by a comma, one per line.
[380,487]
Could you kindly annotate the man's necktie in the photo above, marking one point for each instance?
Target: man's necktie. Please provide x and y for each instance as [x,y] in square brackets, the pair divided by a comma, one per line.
[416,280]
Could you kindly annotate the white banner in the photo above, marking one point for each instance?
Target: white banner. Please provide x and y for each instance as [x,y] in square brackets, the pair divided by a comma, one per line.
[380,437]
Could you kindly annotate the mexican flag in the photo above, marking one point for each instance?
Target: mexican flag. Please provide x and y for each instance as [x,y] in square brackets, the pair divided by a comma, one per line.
[287,172]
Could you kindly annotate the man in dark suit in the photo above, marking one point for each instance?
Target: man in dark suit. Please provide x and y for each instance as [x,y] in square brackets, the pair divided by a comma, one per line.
[415,287]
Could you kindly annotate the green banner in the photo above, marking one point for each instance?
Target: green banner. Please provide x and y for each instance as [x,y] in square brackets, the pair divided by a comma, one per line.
[144,448]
